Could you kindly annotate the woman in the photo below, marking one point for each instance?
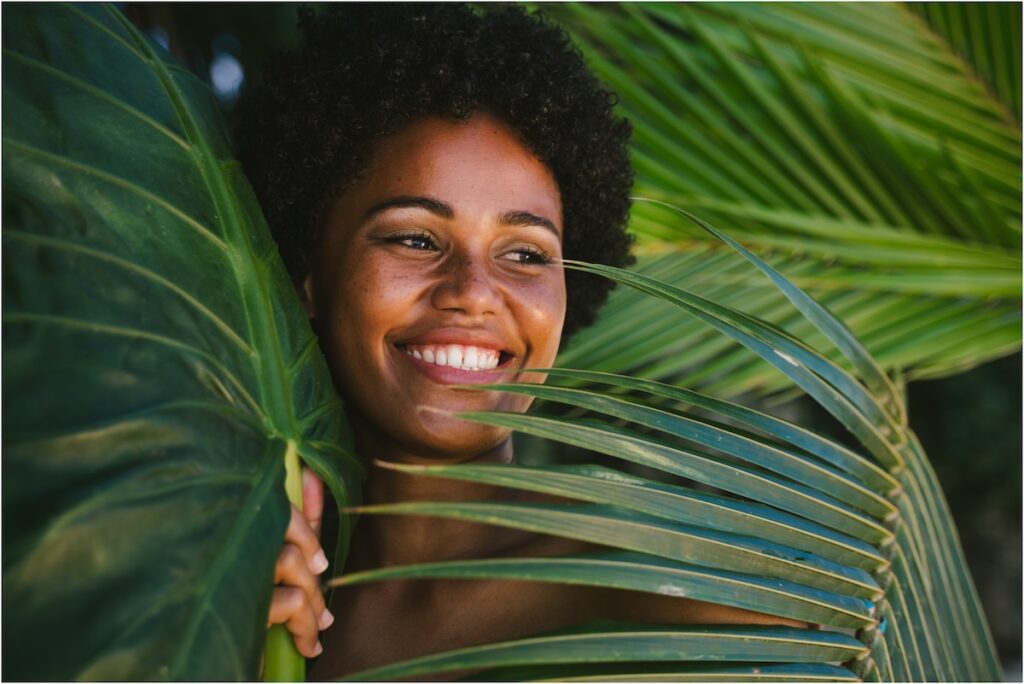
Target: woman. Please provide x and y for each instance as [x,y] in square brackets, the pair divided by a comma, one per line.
[424,169]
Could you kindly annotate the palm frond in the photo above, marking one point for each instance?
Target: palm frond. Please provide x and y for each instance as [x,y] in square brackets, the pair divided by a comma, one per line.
[643,644]
[851,145]
[987,37]
[857,540]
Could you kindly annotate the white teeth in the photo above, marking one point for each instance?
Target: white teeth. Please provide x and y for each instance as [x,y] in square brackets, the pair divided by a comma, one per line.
[466,357]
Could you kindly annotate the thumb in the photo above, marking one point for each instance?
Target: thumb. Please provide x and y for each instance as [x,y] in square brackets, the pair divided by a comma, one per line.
[312,499]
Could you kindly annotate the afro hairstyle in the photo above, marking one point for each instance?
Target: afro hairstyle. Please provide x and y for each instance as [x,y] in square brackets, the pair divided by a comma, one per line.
[364,70]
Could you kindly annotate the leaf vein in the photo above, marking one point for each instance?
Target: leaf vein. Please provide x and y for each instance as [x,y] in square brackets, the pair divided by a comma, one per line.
[104,328]
[124,183]
[149,274]
[98,93]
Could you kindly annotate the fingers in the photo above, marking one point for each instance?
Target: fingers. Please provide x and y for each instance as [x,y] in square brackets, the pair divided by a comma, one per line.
[297,601]
[292,570]
[300,534]
[312,499]
[290,606]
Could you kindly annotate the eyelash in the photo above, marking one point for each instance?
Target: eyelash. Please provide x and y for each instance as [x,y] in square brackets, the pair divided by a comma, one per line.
[530,256]
[406,239]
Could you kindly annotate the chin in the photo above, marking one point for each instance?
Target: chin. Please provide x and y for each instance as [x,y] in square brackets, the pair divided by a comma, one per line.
[454,440]
[426,434]
[451,440]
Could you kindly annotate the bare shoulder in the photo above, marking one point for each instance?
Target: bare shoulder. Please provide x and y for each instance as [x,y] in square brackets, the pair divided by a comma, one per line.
[390,621]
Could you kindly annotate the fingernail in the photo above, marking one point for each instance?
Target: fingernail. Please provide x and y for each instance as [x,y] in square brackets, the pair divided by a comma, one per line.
[319,563]
[319,649]
[326,619]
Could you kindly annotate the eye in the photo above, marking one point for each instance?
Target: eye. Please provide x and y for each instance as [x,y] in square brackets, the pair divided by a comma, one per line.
[419,241]
[528,255]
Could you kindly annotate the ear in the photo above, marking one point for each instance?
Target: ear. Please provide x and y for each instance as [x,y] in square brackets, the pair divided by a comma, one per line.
[305,291]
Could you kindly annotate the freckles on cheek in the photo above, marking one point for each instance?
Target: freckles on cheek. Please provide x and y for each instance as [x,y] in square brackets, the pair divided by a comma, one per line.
[366,287]
[548,301]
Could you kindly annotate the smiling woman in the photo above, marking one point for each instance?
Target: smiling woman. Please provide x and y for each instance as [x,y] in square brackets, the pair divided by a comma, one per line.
[439,267]
[425,170]
[167,377]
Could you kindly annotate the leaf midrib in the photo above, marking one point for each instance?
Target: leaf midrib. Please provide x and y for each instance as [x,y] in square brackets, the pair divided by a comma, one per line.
[270,366]
[215,574]
[253,288]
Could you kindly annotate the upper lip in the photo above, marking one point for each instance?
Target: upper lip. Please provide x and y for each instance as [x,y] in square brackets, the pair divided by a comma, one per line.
[468,337]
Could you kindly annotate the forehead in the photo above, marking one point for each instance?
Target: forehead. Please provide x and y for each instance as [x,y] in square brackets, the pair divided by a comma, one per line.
[475,165]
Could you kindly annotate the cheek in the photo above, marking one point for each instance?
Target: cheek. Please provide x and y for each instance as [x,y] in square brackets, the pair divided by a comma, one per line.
[352,313]
[367,298]
[542,310]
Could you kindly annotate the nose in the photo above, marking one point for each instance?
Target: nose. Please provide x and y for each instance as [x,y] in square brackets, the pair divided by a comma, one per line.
[466,286]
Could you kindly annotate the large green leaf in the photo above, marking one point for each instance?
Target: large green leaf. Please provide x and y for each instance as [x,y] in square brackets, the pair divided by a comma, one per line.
[158,370]
[848,144]
[801,527]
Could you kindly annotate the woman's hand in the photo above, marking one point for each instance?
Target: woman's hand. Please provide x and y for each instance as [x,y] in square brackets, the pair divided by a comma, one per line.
[298,602]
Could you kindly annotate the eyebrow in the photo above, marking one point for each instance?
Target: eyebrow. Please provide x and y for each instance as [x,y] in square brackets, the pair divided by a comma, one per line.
[525,218]
[439,208]
[432,205]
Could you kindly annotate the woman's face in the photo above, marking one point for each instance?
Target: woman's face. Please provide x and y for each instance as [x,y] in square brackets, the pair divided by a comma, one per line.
[439,267]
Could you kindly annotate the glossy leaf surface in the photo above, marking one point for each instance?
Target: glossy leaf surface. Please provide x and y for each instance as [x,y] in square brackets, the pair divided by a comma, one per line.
[157,367]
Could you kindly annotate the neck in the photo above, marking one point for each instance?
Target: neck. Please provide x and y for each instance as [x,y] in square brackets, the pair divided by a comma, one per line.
[385,540]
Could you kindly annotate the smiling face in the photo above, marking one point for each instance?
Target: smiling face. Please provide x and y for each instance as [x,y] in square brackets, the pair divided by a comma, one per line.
[439,267]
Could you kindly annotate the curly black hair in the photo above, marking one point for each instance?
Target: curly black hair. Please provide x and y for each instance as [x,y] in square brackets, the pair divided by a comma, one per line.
[365,69]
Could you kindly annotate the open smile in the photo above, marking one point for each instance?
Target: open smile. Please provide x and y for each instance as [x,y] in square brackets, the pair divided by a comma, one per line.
[458,363]
[461,357]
